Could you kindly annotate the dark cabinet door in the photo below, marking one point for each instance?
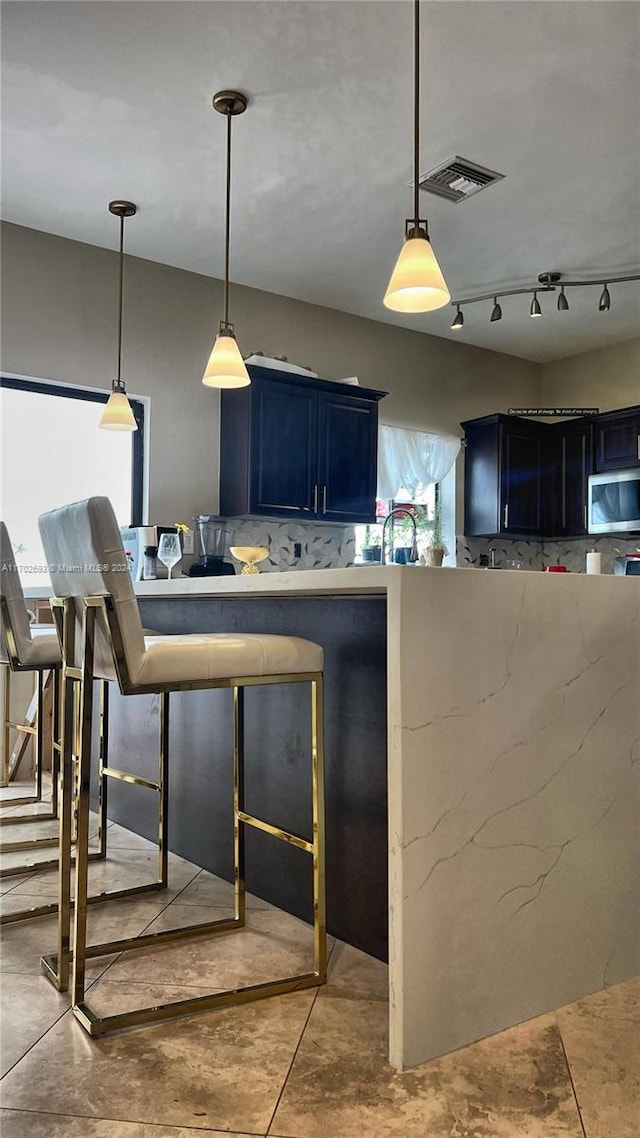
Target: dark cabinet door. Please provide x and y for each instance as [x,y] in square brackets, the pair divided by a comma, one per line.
[618,443]
[284,450]
[347,456]
[574,464]
[521,480]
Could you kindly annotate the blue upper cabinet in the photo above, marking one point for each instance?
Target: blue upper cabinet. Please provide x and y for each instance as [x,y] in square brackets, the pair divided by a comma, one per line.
[618,440]
[299,448]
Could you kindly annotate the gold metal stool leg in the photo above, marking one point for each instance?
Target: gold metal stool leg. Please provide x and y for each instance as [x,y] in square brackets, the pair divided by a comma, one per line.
[75,798]
[99,1025]
[22,819]
[11,760]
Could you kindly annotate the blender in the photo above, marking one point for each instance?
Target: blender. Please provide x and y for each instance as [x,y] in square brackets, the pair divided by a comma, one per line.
[212,532]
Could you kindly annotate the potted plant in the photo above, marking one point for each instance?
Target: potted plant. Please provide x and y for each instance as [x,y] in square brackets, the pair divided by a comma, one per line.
[435,551]
[372,547]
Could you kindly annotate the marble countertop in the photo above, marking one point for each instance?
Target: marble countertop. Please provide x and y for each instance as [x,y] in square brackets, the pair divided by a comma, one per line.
[353,580]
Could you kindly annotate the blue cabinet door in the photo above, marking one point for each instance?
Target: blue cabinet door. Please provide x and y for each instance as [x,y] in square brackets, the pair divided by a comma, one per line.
[284,450]
[347,458]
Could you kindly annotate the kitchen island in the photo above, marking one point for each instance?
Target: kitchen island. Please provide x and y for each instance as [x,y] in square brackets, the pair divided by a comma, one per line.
[512,765]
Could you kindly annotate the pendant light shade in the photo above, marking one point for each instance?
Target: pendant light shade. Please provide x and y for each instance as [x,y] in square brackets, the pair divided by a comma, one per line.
[226,367]
[604,304]
[117,415]
[496,312]
[417,283]
[535,306]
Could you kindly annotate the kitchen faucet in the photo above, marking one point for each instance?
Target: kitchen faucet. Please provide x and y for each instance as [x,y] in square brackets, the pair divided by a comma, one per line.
[405,514]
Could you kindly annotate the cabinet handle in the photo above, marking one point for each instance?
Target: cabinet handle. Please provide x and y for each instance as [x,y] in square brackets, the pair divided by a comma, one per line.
[315,499]
[324,499]
[506,516]
[638,448]
[586,520]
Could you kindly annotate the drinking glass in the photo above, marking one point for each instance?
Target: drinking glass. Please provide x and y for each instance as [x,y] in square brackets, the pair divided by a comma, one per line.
[169,551]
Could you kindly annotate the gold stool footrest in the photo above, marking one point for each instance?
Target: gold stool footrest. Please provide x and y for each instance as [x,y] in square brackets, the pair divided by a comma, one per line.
[96,1025]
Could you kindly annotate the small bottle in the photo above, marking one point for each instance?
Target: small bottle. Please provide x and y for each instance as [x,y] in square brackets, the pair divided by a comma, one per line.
[150,568]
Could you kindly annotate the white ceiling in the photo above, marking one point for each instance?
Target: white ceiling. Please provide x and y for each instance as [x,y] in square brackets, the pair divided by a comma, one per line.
[105,100]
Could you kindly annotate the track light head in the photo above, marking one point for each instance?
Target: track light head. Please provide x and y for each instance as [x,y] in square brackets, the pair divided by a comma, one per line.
[604,304]
[535,306]
[563,303]
[458,320]
[496,312]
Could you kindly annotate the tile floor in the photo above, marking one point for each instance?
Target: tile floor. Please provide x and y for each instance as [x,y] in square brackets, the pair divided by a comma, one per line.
[306,1065]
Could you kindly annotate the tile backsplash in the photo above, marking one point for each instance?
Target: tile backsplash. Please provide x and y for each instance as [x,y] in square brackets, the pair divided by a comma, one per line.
[535,554]
[322,546]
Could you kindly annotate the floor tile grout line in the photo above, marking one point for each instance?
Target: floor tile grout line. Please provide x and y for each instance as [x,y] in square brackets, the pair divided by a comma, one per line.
[143,931]
[573,1086]
[35,1042]
[293,1058]
[133,1122]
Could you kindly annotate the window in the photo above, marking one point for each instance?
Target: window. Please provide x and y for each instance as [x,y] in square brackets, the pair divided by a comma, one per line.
[414,470]
[53,452]
[399,535]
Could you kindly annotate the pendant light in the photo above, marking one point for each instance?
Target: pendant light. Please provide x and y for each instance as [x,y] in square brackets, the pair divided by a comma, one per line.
[496,312]
[417,283]
[226,366]
[117,415]
[604,304]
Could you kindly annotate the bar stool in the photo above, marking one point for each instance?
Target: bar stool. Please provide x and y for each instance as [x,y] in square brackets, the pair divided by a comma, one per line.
[27,648]
[23,648]
[102,637]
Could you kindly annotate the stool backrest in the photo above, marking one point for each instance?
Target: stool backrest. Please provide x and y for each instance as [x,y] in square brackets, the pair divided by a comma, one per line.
[16,632]
[83,546]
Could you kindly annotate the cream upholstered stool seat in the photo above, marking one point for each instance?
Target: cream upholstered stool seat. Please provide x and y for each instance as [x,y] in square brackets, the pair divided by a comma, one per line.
[102,637]
[26,648]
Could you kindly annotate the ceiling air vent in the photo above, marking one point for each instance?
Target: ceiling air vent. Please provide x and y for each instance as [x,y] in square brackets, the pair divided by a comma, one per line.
[458,179]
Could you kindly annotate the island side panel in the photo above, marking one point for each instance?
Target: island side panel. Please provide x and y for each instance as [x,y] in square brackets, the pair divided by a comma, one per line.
[352,631]
[514,821]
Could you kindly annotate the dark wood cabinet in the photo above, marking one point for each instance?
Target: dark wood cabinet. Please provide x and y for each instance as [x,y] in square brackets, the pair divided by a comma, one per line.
[618,440]
[528,478]
[503,477]
[570,451]
[292,447]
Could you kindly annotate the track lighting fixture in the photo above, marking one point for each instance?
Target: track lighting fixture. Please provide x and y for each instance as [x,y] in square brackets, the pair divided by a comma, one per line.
[604,304]
[547,282]
[417,283]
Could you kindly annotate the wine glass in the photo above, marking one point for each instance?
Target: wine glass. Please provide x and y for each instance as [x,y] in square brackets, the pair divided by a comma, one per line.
[169,551]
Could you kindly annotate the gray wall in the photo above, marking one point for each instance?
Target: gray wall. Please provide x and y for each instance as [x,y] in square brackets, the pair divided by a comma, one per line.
[59,322]
[606,378]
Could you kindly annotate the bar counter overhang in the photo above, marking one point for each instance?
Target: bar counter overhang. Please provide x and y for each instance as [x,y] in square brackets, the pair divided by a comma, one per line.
[482,745]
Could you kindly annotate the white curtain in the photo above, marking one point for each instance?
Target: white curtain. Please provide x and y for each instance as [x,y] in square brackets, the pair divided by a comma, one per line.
[413,460]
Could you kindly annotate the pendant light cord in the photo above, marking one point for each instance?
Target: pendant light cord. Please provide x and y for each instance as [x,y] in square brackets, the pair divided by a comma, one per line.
[227,234]
[118,383]
[416,112]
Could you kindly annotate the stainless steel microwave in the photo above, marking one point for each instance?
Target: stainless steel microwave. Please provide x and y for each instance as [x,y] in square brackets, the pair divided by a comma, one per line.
[614,502]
